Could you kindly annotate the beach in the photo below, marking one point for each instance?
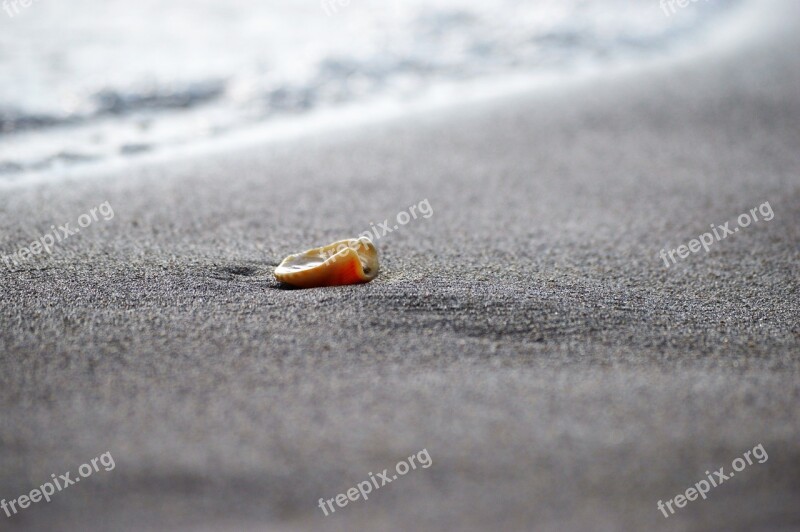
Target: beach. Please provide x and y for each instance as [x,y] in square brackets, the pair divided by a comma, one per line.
[559,373]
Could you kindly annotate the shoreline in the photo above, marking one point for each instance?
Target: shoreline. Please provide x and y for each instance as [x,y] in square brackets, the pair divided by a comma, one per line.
[737,28]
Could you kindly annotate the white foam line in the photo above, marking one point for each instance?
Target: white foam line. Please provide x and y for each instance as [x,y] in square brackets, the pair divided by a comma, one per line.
[740,26]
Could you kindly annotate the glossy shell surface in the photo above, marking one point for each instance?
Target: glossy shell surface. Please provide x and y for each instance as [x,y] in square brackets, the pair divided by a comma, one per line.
[344,262]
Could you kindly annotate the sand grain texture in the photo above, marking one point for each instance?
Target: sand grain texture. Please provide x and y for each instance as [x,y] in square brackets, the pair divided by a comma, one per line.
[527,334]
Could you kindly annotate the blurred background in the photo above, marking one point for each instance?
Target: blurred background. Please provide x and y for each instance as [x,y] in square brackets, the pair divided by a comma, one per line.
[89,80]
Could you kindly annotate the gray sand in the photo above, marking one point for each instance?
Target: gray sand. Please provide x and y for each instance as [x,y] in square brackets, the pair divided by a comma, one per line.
[527,334]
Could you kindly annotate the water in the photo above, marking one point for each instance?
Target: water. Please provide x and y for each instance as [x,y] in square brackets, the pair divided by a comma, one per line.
[87,80]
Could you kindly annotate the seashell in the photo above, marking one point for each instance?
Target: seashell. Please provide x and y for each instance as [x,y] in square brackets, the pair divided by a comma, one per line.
[344,262]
